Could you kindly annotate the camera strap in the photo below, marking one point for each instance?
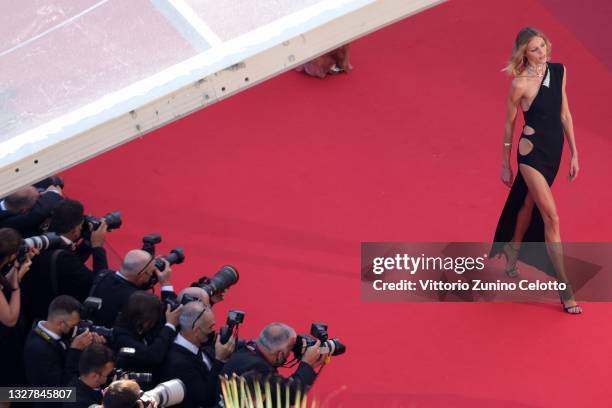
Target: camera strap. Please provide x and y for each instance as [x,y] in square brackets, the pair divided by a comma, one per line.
[49,339]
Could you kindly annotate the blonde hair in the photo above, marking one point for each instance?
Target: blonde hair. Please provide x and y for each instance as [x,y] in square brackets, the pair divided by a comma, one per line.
[518,60]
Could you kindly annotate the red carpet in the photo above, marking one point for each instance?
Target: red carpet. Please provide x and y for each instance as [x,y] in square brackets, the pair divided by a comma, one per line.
[285,180]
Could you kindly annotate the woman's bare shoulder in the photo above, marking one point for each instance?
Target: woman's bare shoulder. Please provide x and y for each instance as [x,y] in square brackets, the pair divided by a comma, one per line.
[519,84]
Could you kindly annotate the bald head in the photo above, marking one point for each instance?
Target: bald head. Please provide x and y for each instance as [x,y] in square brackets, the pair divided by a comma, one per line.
[22,200]
[197,293]
[134,262]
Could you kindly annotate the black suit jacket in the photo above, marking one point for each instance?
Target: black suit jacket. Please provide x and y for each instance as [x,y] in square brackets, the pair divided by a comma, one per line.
[201,384]
[47,363]
[85,395]
[251,364]
[149,352]
[29,224]
[74,278]
[115,293]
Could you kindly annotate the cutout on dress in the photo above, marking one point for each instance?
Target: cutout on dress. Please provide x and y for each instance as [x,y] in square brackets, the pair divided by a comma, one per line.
[528,130]
[525,147]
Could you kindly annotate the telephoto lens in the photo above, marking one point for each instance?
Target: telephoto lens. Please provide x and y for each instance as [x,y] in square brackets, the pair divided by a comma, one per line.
[113,221]
[176,256]
[165,394]
[328,346]
[223,279]
[140,378]
[332,347]
[50,240]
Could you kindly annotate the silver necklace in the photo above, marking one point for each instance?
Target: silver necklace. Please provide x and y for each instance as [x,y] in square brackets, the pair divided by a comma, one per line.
[537,71]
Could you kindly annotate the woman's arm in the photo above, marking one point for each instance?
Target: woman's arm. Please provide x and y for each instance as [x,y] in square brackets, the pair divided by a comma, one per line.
[514,97]
[9,310]
[568,129]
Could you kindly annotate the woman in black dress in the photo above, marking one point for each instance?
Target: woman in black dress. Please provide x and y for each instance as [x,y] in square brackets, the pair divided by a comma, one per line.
[530,213]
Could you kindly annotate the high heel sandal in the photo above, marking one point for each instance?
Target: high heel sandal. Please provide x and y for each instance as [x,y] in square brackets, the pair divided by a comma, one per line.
[567,309]
[512,272]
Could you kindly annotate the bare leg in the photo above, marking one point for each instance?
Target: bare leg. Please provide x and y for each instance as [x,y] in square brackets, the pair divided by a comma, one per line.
[543,198]
[523,220]
[511,249]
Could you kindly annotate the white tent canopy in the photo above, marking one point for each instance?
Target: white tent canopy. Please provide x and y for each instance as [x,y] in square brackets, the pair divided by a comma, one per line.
[80,77]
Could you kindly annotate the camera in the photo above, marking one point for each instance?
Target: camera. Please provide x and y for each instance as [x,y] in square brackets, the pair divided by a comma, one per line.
[174,303]
[149,241]
[113,221]
[89,325]
[49,240]
[318,331]
[234,318]
[140,378]
[176,256]
[165,394]
[328,346]
[54,180]
[223,279]
[88,310]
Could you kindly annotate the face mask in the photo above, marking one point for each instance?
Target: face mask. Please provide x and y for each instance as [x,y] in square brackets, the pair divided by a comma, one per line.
[67,336]
[280,362]
[211,338]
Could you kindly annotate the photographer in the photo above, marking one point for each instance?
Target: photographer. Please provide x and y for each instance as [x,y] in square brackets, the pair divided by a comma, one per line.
[188,362]
[63,271]
[115,288]
[124,394]
[261,359]
[27,209]
[136,328]
[50,361]
[11,338]
[194,293]
[10,242]
[95,366]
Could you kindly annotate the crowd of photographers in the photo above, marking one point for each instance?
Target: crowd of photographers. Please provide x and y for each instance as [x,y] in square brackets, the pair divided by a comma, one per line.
[108,334]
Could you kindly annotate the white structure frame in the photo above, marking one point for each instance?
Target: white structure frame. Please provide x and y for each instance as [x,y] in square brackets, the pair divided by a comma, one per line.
[147,105]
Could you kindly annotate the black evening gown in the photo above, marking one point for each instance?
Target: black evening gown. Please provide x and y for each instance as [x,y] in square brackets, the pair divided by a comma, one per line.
[544,116]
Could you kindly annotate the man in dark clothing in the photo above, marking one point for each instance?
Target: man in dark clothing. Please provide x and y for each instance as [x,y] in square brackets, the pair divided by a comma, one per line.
[63,271]
[188,362]
[26,209]
[115,288]
[260,359]
[95,366]
[49,360]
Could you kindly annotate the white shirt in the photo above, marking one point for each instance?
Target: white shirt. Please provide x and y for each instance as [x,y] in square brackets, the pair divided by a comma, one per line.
[51,334]
[183,342]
